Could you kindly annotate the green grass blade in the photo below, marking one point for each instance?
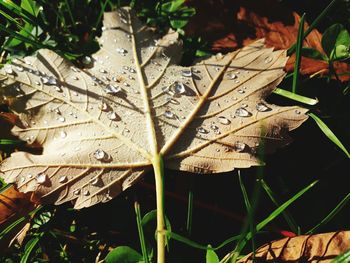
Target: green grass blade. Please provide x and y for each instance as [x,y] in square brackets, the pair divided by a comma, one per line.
[140,231]
[22,38]
[298,54]
[70,12]
[30,247]
[327,131]
[343,258]
[314,24]
[284,206]
[10,142]
[290,220]
[248,223]
[11,226]
[185,240]
[14,22]
[12,8]
[103,7]
[331,215]
[189,213]
[295,97]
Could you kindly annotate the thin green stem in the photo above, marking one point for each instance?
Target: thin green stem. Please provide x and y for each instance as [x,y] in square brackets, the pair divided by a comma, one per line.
[70,13]
[140,230]
[313,24]
[189,213]
[159,179]
[298,54]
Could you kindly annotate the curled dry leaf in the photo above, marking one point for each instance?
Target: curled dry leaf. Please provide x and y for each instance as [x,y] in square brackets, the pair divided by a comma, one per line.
[242,22]
[14,204]
[102,126]
[306,248]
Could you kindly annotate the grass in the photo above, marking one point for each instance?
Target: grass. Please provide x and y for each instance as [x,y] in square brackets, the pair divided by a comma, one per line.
[63,235]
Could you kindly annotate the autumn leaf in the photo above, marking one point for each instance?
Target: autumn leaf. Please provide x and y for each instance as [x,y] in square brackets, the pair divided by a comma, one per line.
[305,248]
[13,203]
[243,22]
[101,127]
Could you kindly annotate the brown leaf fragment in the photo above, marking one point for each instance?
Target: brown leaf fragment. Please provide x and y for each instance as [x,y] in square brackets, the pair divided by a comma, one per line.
[305,248]
[243,22]
[14,204]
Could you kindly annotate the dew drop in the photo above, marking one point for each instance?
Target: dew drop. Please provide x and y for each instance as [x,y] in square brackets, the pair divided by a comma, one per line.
[95,181]
[19,68]
[111,89]
[41,178]
[241,112]
[122,51]
[86,192]
[240,91]
[100,155]
[86,60]
[178,87]
[168,114]
[268,60]
[223,120]
[126,67]
[202,130]
[74,69]
[76,192]
[215,129]
[103,70]
[58,89]
[37,82]
[112,116]
[239,146]
[62,119]
[231,75]
[75,78]
[103,106]
[62,179]
[298,112]
[262,107]
[131,70]
[49,80]
[63,134]
[186,73]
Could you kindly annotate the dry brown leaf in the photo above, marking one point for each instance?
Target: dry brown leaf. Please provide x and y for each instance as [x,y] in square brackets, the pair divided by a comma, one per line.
[243,22]
[306,248]
[14,204]
[103,126]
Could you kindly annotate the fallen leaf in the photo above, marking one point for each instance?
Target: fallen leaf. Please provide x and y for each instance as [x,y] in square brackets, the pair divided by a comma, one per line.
[243,22]
[14,204]
[306,248]
[102,126]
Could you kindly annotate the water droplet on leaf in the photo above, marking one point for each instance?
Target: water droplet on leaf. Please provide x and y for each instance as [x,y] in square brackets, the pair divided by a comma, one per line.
[202,130]
[62,179]
[100,155]
[186,73]
[223,120]
[262,107]
[41,178]
[239,146]
[241,112]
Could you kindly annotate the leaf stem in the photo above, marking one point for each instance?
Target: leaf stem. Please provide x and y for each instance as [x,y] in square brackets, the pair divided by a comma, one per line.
[159,175]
